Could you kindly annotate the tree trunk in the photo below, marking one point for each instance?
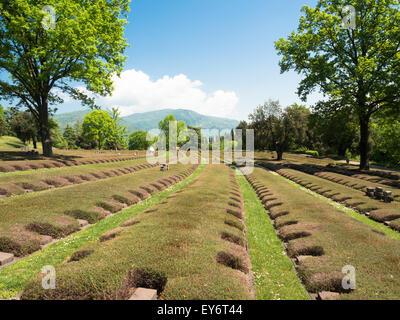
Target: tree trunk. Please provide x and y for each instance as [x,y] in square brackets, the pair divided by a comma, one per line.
[364,143]
[45,130]
[34,143]
[279,151]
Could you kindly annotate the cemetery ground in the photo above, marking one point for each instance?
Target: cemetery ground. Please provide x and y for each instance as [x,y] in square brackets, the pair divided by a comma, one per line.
[111,223]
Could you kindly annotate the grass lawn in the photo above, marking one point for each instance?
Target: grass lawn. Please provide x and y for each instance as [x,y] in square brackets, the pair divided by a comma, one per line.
[9,142]
[53,212]
[176,247]
[332,239]
[274,274]
[14,278]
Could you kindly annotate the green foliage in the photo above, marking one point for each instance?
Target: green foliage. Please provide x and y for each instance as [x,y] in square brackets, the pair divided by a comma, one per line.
[356,69]
[243,126]
[58,139]
[312,153]
[279,129]
[334,134]
[25,127]
[86,45]
[138,141]
[169,126]
[97,126]
[102,129]
[386,141]
[3,123]
[117,137]
[70,136]
[296,118]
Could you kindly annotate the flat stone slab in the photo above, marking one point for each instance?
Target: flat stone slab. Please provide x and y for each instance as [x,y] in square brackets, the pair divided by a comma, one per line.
[83,223]
[144,294]
[327,295]
[6,258]
[300,259]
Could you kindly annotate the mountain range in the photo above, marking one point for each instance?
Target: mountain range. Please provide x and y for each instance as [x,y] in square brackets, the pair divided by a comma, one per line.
[149,120]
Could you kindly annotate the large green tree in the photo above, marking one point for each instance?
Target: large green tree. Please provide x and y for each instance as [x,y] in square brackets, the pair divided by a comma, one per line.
[355,68]
[44,57]
[171,126]
[97,126]
[118,133]
[386,138]
[138,140]
[334,134]
[25,127]
[70,136]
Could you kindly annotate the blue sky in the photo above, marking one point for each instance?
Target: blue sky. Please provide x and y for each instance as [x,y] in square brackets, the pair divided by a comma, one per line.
[213,56]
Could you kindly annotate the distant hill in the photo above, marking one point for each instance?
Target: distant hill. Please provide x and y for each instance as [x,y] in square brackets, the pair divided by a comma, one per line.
[149,120]
[71,117]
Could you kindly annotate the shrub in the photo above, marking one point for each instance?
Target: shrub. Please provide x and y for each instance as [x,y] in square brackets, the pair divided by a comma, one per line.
[235,224]
[110,235]
[141,194]
[128,201]
[90,216]
[111,206]
[48,229]
[231,261]
[232,238]
[235,213]
[58,182]
[312,153]
[35,186]
[79,255]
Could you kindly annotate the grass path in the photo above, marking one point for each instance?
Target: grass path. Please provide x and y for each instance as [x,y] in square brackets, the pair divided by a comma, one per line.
[14,278]
[275,277]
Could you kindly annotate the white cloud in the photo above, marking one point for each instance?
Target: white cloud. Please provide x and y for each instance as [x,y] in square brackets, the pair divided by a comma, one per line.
[136,92]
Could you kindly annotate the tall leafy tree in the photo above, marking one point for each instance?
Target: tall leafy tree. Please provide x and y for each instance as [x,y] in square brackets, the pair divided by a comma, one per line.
[97,126]
[296,118]
[278,128]
[3,123]
[44,53]
[269,118]
[334,134]
[25,127]
[181,129]
[386,138]
[243,125]
[138,141]
[356,68]
[70,136]
[118,132]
